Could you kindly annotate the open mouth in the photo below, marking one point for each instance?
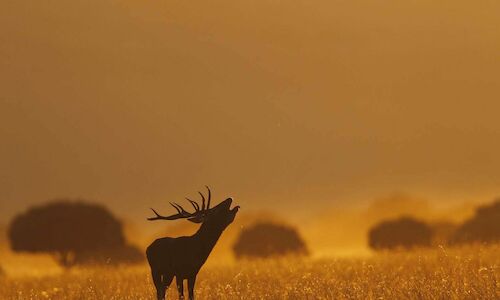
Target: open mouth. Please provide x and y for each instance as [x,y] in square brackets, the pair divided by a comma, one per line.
[229,201]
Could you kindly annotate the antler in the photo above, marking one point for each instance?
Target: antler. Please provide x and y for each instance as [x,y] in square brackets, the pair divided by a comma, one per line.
[209,196]
[183,214]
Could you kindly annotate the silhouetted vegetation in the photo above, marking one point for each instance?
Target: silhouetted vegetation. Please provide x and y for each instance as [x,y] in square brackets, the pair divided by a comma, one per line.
[74,232]
[405,232]
[268,239]
[483,227]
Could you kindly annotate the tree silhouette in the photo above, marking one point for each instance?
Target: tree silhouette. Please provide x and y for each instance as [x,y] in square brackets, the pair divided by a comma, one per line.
[484,226]
[405,232]
[74,232]
[268,239]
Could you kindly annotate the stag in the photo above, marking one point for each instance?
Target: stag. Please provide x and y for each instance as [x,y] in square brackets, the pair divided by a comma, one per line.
[182,257]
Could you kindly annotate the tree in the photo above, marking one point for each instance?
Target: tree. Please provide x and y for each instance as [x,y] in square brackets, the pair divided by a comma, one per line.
[268,239]
[74,232]
[484,226]
[405,232]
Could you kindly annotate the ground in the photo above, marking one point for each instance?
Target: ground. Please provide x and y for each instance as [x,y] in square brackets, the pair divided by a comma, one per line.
[466,273]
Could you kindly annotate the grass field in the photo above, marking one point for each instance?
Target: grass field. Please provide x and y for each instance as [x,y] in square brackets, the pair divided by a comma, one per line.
[468,273]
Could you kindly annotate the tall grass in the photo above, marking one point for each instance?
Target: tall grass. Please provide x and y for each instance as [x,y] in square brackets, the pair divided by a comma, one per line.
[466,273]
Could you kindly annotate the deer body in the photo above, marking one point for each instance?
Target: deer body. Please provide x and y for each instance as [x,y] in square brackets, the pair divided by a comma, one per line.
[183,257]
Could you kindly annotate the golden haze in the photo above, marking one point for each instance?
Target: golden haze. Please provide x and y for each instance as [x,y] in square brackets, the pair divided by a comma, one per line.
[303,105]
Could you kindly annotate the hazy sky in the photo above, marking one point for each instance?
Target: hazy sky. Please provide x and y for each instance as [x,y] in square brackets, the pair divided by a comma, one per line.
[298,104]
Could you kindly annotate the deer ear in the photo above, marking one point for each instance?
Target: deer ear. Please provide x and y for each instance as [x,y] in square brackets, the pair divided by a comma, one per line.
[197,219]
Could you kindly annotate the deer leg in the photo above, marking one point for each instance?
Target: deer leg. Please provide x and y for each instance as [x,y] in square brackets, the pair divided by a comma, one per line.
[180,286]
[166,280]
[191,281]
[160,288]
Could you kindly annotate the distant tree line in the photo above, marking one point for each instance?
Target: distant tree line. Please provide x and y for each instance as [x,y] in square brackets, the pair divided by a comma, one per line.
[75,232]
[408,232]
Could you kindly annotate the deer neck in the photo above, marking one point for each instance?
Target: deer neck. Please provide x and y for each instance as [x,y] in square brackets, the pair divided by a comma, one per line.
[207,236]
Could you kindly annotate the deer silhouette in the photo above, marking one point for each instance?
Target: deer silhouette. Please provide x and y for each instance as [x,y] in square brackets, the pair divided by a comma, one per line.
[183,256]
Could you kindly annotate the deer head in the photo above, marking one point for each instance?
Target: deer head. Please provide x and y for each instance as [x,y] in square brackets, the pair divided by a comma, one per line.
[221,214]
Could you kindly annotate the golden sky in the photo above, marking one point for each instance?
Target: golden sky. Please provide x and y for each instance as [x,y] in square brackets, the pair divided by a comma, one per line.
[286,105]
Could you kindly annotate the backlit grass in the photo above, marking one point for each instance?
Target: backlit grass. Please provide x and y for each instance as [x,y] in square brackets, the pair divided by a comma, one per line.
[467,273]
